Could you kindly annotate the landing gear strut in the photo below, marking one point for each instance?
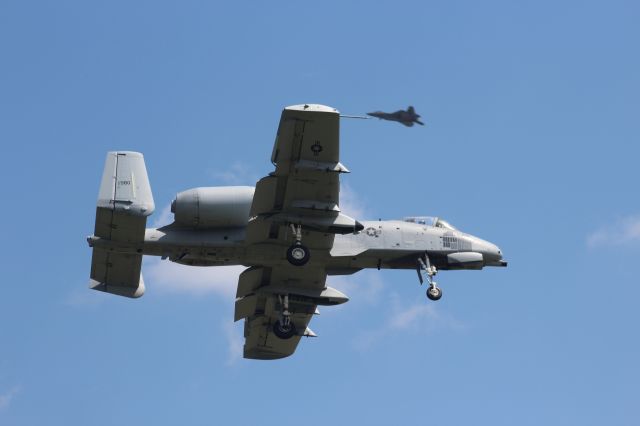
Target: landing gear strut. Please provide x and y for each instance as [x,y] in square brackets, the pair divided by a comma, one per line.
[283,327]
[424,267]
[297,254]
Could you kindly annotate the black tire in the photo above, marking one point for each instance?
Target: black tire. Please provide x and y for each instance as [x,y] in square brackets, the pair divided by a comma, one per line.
[436,295]
[284,332]
[298,255]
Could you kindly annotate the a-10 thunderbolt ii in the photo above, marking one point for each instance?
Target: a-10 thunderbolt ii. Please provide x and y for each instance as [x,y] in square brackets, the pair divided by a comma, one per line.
[288,231]
[407,117]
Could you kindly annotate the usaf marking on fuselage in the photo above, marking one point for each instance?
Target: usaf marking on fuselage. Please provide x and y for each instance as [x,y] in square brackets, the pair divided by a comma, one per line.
[288,231]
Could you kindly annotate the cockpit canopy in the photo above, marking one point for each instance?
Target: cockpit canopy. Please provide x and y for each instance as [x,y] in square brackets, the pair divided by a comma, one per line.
[430,221]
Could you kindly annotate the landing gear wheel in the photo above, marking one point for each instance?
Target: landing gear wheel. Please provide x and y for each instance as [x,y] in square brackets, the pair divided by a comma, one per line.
[298,255]
[284,331]
[434,293]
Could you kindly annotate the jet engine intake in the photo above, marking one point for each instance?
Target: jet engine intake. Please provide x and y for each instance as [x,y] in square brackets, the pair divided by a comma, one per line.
[212,207]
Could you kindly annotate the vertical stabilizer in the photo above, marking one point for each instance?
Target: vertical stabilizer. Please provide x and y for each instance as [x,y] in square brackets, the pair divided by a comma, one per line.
[124,202]
[125,184]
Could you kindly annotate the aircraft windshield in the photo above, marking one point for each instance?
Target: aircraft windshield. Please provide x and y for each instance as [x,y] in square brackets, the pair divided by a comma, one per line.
[430,221]
[444,224]
[422,220]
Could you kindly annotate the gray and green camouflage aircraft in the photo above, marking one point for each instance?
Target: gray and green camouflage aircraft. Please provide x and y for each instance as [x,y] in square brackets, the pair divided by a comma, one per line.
[288,231]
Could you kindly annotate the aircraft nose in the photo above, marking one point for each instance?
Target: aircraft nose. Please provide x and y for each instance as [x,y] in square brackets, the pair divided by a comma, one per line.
[491,253]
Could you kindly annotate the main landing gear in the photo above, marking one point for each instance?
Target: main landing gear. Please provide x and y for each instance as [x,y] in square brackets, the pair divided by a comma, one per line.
[283,327]
[297,254]
[424,267]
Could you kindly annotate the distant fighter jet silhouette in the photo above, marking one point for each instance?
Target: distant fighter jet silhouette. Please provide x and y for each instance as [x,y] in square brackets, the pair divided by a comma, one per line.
[407,117]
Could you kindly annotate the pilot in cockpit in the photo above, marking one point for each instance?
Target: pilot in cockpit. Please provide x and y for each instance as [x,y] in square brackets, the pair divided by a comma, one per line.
[430,221]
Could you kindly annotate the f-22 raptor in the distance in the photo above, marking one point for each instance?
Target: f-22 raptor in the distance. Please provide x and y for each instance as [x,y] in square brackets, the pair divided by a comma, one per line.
[407,117]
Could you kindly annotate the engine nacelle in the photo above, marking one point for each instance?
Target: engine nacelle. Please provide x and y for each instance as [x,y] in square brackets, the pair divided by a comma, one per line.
[465,260]
[213,207]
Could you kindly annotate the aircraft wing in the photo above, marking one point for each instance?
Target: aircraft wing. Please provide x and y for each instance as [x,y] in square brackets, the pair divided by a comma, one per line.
[305,186]
[302,191]
[259,303]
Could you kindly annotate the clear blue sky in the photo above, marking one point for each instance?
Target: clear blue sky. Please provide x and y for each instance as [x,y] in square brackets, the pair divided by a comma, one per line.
[532,112]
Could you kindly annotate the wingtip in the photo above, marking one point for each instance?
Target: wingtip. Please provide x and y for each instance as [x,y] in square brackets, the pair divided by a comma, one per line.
[312,108]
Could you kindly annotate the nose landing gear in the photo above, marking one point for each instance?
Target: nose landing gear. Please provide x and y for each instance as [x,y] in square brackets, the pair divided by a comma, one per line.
[424,267]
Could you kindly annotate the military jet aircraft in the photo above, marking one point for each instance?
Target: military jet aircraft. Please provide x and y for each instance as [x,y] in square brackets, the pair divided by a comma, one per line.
[288,231]
[407,117]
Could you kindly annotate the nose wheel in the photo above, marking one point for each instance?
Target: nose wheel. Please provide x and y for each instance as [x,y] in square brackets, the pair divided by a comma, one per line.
[434,293]
[425,268]
[297,254]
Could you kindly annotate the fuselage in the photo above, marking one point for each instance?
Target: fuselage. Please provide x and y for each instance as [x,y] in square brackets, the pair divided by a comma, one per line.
[394,244]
